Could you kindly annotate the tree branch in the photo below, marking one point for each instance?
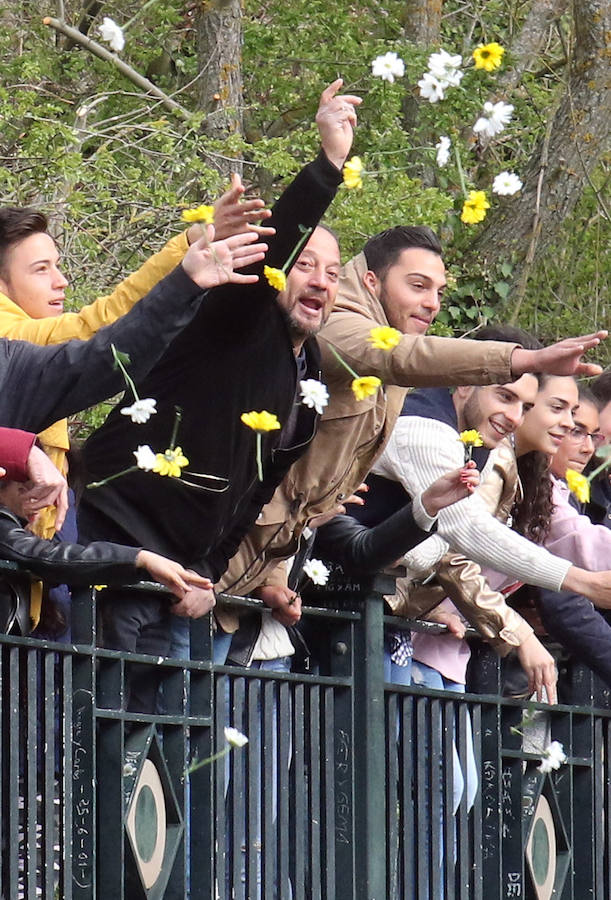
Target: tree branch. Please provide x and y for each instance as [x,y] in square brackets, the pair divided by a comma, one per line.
[102,53]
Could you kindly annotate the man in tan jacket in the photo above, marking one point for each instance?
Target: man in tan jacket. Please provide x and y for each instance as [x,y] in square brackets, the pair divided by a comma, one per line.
[398,281]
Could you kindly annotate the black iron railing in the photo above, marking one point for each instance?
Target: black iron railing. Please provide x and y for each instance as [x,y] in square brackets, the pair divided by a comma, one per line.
[345,790]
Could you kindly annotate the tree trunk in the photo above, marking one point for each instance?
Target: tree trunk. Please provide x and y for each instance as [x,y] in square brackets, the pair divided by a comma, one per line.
[561,165]
[421,21]
[527,46]
[219,43]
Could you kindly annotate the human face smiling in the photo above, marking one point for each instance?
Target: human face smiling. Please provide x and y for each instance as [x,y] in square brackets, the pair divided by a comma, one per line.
[577,448]
[497,410]
[31,276]
[551,417]
[311,286]
[411,290]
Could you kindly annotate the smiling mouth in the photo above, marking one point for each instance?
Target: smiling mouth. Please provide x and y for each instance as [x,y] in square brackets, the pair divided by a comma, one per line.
[312,304]
[556,438]
[500,429]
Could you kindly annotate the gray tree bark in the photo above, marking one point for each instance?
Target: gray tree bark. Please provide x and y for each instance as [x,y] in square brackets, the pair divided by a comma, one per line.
[421,20]
[577,137]
[527,46]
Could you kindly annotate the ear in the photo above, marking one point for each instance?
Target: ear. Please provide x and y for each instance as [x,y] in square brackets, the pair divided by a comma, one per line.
[371,281]
[462,391]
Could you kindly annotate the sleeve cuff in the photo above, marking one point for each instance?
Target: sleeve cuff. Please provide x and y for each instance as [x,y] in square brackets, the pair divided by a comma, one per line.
[423,520]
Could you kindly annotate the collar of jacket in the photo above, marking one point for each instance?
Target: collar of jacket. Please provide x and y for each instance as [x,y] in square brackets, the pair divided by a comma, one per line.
[354,296]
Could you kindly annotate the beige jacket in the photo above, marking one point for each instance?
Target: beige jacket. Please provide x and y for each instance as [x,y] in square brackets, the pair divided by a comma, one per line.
[352,433]
[461,579]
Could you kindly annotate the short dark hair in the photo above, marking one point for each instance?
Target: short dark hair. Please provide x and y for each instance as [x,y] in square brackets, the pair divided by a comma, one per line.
[508,334]
[17,223]
[382,251]
[601,388]
[587,395]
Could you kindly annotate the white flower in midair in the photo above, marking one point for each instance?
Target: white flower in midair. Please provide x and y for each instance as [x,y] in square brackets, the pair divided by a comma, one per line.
[235,737]
[553,757]
[388,67]
[112,34]
[431,88]
[497,116]
[314,394]
[446,67]
[316,571]
[141,410]
[145,458]
[443,151]
[506,183]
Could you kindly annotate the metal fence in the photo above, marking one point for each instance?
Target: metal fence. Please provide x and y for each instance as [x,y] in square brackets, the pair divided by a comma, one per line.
[345,791]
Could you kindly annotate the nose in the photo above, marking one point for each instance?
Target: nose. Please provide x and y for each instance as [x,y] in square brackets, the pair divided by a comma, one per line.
[566,419]
[319,278]
[431,300]
[514,413]
[587,444]
[59,279]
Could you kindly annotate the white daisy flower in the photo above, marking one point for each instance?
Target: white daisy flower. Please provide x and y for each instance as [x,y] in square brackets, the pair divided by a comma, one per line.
[498,115]
[145,458]
[443,151]
[235,737]
[388,67]
[112,34]
[446,68]
[506,183]
[553,757]
[316,571]
[314,394]
[431,88]
[141,410]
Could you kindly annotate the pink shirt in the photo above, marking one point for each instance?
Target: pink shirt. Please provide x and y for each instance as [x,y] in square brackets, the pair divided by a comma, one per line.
[443,652]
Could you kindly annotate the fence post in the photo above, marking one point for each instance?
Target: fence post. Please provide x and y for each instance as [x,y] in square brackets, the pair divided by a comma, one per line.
[370,744]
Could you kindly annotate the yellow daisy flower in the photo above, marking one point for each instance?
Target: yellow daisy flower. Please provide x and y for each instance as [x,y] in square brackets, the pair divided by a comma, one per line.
[474,208]
[578,484]
[275,277]
[170,463]
[488,56]
[384,337]
[352,171]
[204,214]
[260,421]
[471,438]
[365,387]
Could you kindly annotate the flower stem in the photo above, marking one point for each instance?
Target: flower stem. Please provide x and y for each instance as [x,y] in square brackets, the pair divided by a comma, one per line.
[119,364]
[209,759]
[96,484]
[297,248]
[177,421]
[259,462]
[342,361]
[599,469]
[461,174]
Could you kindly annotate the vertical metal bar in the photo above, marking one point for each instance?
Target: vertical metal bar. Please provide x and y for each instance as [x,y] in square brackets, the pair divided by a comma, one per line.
[198,687]
[263,859]
[449,739]
[407,787]
[423,798]
[436,809]
[477,830]
[299,790]
[111,839]
[328,762]
[16,799]
[221,820]
[32,831]
[491,793]
[393,810]
[284,757]
[370,869]
[50,838]
[512,871]
[237,791]
[342,664]
[315,807]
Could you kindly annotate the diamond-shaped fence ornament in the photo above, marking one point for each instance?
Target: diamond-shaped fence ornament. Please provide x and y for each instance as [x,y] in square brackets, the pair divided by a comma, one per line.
[153,821]
[547,849]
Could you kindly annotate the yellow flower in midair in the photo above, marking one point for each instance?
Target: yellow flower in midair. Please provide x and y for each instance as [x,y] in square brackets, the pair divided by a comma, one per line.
[578,485]
[488,56]
[471,438]
[383,337]
[170,463]
[365,387]
[474,208]
[352,172]
[203,214]
[260,421]
[275,277]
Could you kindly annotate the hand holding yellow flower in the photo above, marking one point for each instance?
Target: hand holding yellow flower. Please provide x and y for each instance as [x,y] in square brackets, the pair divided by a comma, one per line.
[470,438]
[578,485]
[383,337]
[365,386]
[352,172]
[204,214]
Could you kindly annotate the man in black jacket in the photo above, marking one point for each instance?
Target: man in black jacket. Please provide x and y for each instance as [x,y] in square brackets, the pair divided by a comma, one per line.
[247,351]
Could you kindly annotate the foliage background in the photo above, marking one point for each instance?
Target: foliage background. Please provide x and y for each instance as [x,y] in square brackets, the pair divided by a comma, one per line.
[112,166]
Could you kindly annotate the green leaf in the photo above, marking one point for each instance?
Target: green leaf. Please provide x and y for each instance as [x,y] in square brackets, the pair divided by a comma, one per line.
[502,289]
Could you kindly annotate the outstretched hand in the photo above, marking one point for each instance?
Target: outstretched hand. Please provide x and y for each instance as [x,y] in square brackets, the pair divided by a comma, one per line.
[210,263]
[232,214]
[336,120]
[175,577]
[450,488]
[539,667]
[561,358]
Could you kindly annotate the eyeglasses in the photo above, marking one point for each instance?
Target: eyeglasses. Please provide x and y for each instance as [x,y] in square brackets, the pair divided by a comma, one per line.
[579,434]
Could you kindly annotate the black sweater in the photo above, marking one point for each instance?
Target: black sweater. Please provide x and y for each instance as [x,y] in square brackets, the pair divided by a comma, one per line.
[235,357]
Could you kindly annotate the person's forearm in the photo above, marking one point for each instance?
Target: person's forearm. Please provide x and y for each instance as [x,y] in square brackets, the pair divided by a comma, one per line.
[15,447]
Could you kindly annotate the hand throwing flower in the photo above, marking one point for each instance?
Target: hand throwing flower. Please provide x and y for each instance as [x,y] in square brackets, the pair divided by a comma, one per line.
[204,214]
[578,485]
[141,410]
[488,56]
[314,394]
[316,571]
[112,34]
[352,172]
[383,337]
[471,438]
[277,277]
[260,422]
[474,208]
[553,757]
[388,67]
[170,463]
